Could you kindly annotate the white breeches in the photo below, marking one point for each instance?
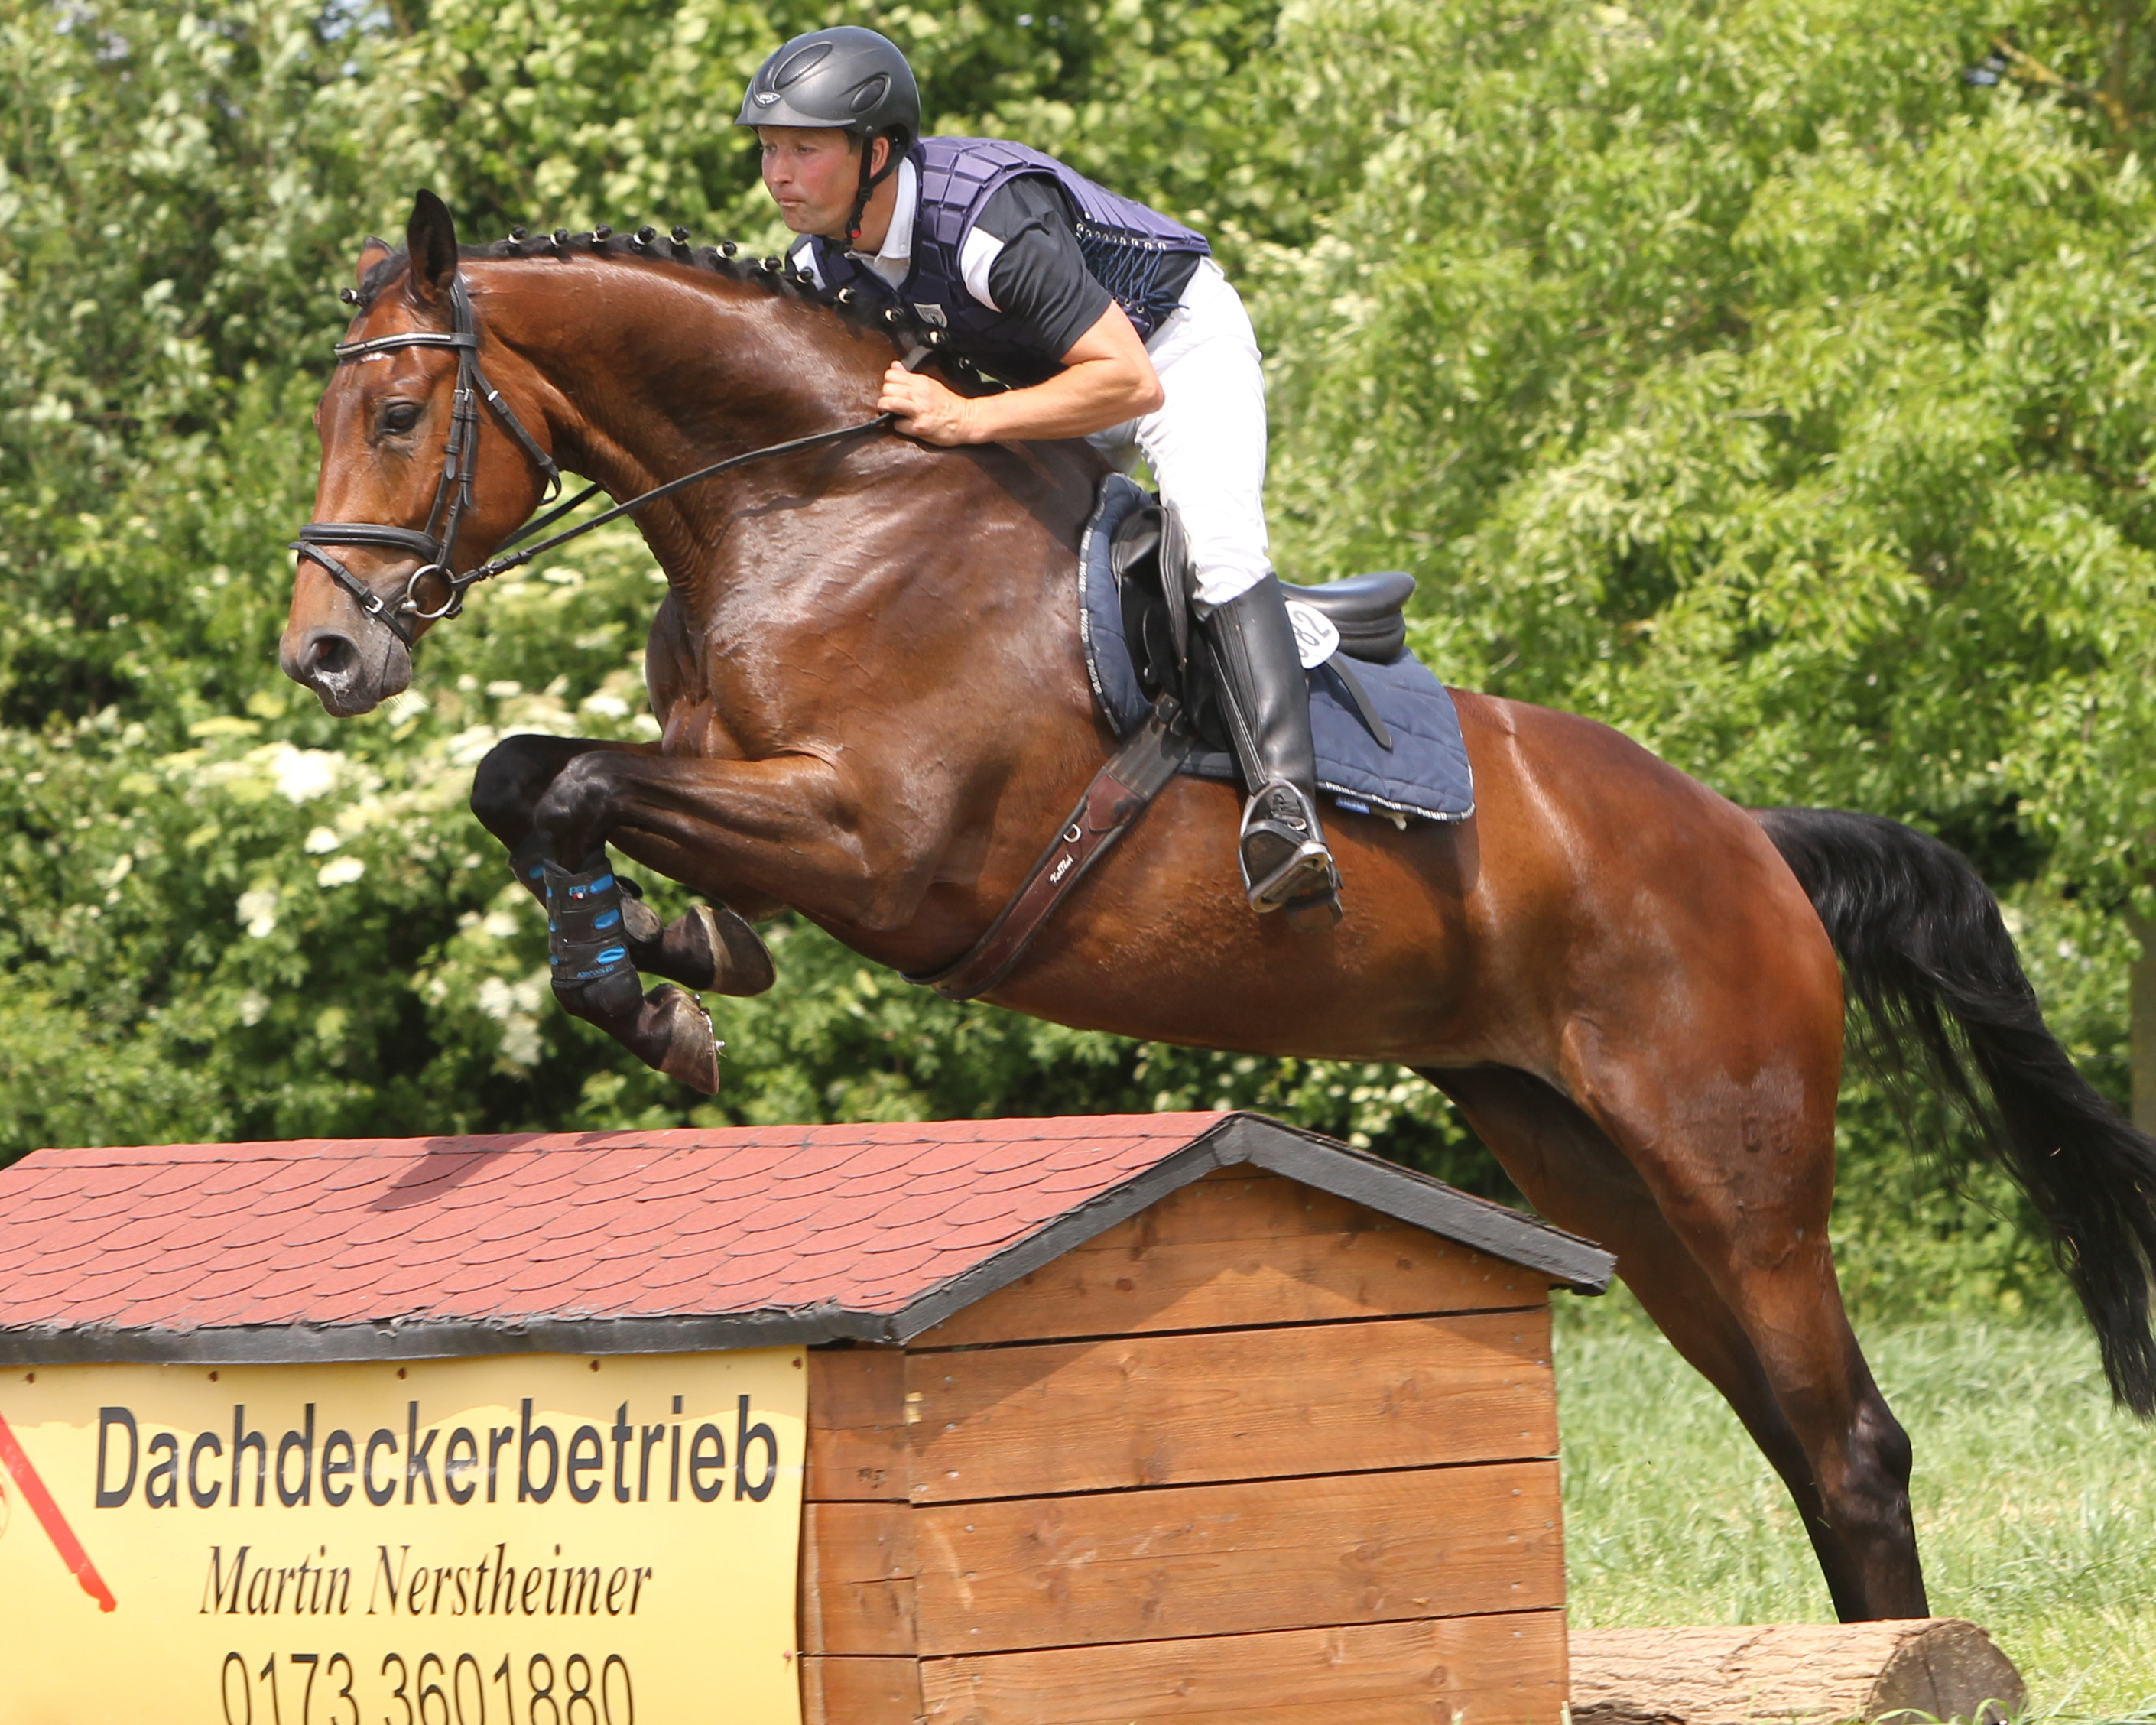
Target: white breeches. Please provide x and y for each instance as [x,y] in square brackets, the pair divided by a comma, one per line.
[1206,444]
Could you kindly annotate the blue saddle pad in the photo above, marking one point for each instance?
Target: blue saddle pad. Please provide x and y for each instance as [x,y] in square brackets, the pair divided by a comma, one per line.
[1425,773]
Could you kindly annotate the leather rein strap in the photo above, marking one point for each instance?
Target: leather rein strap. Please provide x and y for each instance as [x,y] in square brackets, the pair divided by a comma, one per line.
[436,543]
[1120,792]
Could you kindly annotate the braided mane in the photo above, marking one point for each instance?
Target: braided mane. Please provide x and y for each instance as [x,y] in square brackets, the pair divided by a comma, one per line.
[724,259]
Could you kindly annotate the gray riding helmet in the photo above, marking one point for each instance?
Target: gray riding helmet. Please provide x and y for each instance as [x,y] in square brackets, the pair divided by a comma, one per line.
[846,77]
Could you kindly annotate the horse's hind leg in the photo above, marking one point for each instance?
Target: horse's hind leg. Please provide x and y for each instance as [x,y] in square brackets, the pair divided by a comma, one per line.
[708,948]
[1726,1110]
[1574,1174]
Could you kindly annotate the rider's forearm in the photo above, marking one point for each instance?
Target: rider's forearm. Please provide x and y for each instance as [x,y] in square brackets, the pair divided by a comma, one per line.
[1080,400]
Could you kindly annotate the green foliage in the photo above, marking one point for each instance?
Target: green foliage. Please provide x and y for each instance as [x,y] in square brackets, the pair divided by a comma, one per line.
[1739,375]
[1742,377]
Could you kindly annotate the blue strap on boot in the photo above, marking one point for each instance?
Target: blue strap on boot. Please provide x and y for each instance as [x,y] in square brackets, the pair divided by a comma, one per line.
[528,863]
[584,930]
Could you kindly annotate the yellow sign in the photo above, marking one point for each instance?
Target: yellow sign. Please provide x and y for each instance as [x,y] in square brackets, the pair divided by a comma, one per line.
[535,1540]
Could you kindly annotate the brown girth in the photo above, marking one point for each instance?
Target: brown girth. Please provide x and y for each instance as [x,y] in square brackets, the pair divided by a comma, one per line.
[1120,792]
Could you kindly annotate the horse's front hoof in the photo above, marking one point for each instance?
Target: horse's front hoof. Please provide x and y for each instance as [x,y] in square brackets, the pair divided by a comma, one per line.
[676,1027]
[707,948]
[639,922]
[745,966]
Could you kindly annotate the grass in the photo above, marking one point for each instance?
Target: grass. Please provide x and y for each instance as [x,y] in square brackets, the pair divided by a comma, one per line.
[2035,1500]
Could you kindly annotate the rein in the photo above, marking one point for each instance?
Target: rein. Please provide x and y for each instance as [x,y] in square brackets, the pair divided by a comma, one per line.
[436,543]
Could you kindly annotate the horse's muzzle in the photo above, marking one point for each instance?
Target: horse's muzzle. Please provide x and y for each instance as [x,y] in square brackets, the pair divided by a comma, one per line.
[347,678]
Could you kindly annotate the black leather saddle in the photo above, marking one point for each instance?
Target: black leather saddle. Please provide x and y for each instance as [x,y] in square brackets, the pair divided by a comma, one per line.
[1152,573]
[1369,610]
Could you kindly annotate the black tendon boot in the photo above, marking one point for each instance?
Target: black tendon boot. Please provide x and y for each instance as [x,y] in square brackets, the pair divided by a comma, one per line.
[638,920]
[589,948]
[707,948]
[1266,696]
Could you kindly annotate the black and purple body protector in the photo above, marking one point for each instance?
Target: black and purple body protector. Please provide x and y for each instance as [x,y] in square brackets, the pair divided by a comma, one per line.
[584,929]
[1124,244]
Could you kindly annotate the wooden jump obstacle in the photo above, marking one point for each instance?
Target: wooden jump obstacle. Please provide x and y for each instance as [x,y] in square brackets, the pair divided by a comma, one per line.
[1077,1422]
[1276,1443]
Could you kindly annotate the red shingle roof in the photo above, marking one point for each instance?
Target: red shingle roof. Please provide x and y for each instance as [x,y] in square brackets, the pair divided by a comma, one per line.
[597,1241]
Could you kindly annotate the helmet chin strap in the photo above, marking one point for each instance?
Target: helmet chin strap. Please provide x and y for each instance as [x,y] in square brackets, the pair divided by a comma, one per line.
[870,182]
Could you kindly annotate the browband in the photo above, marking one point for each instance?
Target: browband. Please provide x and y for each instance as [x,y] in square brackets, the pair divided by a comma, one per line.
[406,338]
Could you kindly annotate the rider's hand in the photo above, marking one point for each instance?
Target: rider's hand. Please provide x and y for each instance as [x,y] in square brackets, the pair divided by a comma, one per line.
[925,409]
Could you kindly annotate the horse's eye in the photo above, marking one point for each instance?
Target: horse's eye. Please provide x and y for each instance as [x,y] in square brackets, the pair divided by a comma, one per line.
[399,417]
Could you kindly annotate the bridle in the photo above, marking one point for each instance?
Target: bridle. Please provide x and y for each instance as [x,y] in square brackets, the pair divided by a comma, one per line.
[436,543]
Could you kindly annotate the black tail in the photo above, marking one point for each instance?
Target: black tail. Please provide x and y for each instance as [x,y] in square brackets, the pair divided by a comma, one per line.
[1926,954]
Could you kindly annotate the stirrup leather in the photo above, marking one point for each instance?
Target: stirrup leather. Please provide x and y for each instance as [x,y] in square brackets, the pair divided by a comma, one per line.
[1283,860]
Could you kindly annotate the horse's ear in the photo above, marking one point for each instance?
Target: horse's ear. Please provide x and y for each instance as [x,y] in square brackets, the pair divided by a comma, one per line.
[371,253]
[430,237]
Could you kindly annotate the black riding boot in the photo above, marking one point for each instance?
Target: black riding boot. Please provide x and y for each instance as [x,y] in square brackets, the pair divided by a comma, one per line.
[1266,696]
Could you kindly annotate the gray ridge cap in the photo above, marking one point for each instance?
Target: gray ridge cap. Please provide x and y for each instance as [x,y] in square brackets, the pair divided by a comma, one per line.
[1260,1141]
[1073,1228]
[1502,1232]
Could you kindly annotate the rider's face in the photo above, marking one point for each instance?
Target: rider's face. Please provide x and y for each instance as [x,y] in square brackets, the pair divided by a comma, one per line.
[813,172]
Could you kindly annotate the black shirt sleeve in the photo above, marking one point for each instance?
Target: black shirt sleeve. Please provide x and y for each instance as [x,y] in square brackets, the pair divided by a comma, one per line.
[1039,277]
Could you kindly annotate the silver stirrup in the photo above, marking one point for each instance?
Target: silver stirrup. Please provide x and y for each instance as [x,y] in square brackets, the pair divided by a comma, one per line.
[1307,873]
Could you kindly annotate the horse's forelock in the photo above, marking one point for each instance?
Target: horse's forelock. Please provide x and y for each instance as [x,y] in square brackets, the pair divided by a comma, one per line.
[384,272]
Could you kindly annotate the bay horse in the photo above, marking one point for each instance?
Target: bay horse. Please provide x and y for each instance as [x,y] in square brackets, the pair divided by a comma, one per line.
[873,710]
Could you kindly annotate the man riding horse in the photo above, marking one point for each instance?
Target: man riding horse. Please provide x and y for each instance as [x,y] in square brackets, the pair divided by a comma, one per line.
[1630,984]
[1110,321]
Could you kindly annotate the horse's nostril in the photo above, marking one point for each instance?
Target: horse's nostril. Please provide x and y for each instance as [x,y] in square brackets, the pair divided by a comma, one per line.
[332,655]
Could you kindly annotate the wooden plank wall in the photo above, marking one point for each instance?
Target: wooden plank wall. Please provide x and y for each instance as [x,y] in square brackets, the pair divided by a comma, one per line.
[1257,1454]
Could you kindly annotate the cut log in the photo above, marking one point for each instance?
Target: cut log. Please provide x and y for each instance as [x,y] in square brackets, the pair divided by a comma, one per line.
[1792,1674]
